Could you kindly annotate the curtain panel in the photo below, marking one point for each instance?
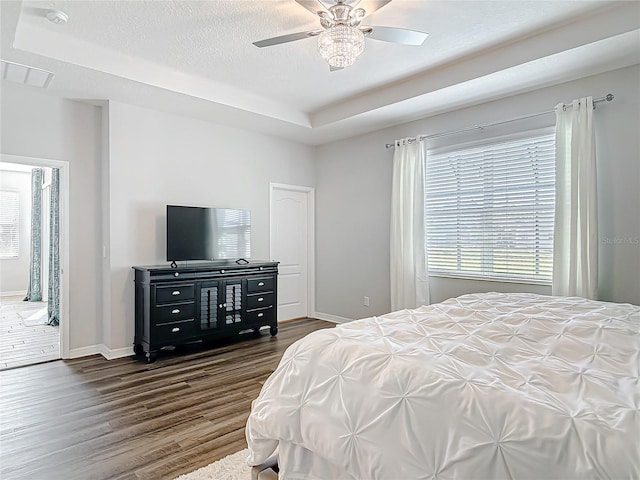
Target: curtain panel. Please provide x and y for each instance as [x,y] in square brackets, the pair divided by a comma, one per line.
[53,305]
[409,279]
[575,245]
[34,289]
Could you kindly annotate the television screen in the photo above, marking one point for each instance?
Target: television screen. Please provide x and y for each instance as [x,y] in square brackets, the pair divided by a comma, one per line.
[199,233]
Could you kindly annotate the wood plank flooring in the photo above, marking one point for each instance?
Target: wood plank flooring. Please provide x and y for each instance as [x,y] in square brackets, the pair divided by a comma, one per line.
[25,341]
[92,418]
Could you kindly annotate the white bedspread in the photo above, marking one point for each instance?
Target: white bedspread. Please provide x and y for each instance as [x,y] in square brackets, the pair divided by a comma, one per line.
[483,386]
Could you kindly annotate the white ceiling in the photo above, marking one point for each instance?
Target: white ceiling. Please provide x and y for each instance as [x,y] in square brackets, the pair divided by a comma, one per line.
[196,57]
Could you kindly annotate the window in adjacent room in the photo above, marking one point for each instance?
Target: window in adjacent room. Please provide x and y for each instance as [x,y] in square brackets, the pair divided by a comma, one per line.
[9,224]
[489,209]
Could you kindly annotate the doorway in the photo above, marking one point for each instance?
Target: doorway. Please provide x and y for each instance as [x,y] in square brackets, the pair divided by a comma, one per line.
[36,330]
[292,244]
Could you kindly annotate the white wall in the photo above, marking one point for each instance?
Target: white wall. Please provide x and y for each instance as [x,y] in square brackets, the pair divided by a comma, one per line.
[157,159]
[153,158]
[126,165]
[14,272]
[34,124]
[353,189]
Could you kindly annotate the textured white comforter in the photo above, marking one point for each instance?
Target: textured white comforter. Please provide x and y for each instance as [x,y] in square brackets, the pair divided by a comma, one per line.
[483,386]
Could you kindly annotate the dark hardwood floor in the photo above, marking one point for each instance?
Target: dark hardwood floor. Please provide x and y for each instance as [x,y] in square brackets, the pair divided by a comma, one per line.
[92,418]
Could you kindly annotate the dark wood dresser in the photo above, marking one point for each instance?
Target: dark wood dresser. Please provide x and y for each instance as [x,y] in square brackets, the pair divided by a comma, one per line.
[202,302]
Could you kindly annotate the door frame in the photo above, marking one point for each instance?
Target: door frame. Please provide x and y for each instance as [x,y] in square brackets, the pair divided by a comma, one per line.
[311,254]
[63,167]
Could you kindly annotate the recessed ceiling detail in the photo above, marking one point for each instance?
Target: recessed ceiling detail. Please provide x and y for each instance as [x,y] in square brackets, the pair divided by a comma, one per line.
[197,59]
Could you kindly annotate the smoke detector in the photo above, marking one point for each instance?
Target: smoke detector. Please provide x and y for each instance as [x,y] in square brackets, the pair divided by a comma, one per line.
[57,16]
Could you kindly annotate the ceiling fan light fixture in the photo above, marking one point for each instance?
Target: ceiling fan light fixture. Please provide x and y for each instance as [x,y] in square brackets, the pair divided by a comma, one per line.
[341,45]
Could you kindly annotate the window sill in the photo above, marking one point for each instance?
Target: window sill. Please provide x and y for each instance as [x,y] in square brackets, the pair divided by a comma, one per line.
[491,279]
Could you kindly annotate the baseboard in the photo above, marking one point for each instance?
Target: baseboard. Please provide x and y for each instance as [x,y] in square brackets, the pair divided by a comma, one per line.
[110,354]
[84,351]
[331,318]
[107,353]
[20,293]
[280,322]
[116,353]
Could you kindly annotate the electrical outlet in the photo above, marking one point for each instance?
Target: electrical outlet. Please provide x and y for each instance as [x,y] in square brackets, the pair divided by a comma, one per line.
[366,301]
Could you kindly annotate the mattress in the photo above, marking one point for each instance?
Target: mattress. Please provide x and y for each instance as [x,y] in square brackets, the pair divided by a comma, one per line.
[483,386]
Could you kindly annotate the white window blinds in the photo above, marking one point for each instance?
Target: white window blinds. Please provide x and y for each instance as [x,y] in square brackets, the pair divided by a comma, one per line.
[489,210]
[9,224]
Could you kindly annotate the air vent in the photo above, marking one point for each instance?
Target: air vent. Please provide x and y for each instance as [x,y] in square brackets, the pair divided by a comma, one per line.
[35,77]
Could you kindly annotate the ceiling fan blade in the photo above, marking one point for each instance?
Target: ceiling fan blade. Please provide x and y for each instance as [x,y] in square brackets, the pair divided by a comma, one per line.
[371,5]
[395,35]
[333,69]
[314,6]
[292,37]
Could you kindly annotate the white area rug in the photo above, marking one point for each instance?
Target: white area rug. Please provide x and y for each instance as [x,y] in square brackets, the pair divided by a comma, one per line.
[231,467]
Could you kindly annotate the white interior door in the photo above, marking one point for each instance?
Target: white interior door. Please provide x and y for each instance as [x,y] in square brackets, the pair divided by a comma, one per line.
[291,244]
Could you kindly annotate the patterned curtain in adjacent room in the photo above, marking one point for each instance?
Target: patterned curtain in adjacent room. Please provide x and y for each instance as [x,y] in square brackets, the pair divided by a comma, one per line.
[34,290]
[54,250]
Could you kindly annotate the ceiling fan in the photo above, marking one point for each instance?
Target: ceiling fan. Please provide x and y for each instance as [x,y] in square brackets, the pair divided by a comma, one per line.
[341,38]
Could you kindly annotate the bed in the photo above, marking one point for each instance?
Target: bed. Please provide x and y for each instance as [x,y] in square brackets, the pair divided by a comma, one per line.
[482,386]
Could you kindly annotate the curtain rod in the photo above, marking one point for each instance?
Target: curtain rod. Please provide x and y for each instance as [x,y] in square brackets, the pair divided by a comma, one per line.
[609,97]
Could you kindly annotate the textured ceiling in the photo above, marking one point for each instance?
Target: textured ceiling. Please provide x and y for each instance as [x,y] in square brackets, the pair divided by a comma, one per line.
[196,57]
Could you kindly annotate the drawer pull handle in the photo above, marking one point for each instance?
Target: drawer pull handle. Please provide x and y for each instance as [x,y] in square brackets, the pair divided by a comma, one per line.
[175,310]
[175,329]
[261,284]
[260,315]
[261,299]
[221,271]
[175,292]
[176,274]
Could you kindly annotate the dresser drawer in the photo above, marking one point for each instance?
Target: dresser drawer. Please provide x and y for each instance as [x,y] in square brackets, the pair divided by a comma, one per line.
[260,300]
[175,293]
[260,284]
[175,331]
[174,312]
[261,315]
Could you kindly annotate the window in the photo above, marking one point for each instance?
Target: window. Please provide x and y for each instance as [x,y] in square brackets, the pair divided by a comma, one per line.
[9,224]
[489,209]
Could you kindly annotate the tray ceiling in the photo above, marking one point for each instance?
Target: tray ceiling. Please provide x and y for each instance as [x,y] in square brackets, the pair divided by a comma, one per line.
[196,58]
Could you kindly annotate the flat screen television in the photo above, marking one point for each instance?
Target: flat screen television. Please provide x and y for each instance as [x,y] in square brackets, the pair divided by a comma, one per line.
[201,233]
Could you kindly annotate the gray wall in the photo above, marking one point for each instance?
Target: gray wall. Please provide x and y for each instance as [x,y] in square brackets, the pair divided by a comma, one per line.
[353,181]
[157,159]
[126,164]
[34,124]
[153,158]
[14,272]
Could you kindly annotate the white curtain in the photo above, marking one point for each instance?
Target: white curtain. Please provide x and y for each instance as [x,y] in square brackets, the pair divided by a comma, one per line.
[575,243]
[409,280]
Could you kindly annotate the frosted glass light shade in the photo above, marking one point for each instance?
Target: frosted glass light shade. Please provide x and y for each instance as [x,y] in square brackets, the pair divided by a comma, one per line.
[341,45]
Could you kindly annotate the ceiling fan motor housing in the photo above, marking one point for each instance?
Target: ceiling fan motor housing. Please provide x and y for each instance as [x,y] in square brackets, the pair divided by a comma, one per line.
[341,14]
